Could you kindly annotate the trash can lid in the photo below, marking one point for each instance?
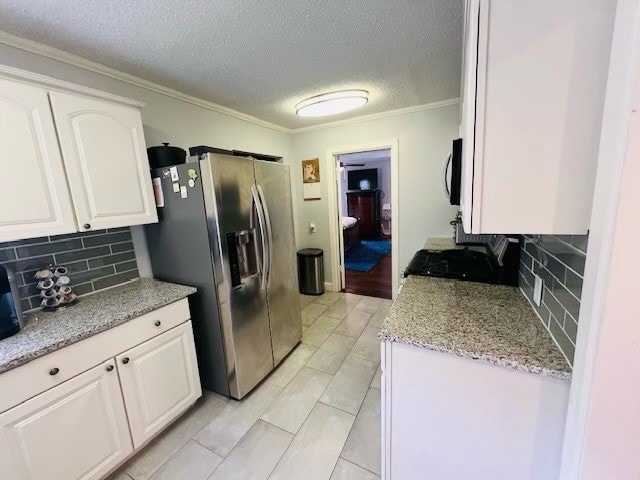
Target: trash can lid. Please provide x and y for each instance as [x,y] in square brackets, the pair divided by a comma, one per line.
[310,252]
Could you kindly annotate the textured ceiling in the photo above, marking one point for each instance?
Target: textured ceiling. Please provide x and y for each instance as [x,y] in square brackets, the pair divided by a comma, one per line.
[262,57]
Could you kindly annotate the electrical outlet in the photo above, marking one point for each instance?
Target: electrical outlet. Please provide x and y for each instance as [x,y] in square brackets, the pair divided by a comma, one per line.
[537,290]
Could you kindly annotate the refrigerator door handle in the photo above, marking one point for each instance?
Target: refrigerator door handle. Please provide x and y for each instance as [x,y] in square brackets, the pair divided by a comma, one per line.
[269,233]
[264,241]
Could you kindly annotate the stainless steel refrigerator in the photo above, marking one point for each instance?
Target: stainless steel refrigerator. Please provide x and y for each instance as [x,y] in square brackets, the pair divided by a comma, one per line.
[226,227]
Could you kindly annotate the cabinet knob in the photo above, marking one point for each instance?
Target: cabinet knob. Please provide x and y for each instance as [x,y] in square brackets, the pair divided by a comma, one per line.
[157,323]
[109,368]
[87,226]
[54,371]
[125,360]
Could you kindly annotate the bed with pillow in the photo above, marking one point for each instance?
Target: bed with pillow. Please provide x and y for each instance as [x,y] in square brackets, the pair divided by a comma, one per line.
[350,232]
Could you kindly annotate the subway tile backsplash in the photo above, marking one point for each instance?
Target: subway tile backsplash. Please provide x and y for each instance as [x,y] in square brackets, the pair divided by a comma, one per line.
[559,260]
[96,260]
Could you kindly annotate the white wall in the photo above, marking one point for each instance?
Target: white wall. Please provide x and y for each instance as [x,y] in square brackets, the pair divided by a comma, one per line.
[165,119]
[424,139]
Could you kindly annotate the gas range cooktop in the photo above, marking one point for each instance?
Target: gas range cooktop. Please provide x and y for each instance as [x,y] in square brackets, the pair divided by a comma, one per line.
[468,265]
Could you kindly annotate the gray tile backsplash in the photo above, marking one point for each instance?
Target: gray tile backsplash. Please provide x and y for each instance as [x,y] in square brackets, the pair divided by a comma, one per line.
[96,260]
[559,260]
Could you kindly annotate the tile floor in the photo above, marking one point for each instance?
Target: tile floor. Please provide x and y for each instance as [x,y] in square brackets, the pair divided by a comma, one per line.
[317,416]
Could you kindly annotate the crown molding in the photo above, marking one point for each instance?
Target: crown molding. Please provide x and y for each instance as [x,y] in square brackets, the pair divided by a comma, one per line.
[80,62]
[377,116]
[54,83]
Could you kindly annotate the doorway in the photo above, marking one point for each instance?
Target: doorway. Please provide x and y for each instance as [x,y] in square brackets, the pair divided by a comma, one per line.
[364,202]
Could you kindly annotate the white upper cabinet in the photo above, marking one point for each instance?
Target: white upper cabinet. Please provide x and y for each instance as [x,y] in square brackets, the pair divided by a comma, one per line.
[105,157]
[35,199]
[533,90]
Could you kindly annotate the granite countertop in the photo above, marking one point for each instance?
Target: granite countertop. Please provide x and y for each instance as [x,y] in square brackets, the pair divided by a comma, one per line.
[493,323]
[46,332]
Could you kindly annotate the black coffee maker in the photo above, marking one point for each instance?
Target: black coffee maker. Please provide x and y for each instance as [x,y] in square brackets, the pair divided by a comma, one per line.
[10,310]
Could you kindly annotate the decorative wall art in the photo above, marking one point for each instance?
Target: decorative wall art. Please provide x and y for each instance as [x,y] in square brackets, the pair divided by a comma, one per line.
[311,179]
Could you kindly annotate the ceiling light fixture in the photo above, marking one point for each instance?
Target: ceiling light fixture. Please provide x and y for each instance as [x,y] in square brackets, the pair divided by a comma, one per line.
[332,103]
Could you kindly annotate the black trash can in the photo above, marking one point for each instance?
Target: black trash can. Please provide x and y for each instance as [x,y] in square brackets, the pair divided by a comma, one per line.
[310,271]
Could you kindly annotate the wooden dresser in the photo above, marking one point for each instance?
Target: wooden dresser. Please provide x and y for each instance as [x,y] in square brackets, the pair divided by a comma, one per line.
[365,206]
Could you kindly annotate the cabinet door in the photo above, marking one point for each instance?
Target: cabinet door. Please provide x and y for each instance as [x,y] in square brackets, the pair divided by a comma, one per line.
[103,149]
[159,381]
[468,108]
[77,430]
[35,197]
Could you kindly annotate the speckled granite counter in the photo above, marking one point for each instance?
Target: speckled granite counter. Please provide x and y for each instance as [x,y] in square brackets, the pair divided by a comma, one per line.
[49,331]
[493,323]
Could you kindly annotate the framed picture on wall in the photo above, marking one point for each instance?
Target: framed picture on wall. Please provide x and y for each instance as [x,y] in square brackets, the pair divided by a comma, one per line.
[311,179]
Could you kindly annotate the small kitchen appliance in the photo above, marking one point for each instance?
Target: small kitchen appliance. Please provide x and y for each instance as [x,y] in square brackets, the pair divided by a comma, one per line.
[499,264]
[10,310]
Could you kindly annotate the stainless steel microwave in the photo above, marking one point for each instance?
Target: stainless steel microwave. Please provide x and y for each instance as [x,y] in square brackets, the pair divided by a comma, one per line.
[452,173]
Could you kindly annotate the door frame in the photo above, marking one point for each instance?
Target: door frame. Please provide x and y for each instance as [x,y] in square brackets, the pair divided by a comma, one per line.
[335,228]
[602,346]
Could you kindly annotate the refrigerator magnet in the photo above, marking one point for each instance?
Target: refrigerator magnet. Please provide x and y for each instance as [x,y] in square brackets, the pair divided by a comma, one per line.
[192,174]
[157,192]
[183,192]
[174,174]
[191,183]
[176,187]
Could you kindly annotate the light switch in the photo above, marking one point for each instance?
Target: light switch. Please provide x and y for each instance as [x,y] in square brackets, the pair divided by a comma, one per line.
[537,290]
[312,227]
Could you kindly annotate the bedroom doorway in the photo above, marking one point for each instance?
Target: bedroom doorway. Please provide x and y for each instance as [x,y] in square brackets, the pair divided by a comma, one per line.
[364,205]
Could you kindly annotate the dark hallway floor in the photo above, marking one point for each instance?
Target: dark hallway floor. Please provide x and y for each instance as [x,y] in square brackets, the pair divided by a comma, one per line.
[374,283]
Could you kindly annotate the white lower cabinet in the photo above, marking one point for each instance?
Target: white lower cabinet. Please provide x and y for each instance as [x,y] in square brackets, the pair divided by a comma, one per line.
[77,430]
[84,427]
[159,380]
[451,418]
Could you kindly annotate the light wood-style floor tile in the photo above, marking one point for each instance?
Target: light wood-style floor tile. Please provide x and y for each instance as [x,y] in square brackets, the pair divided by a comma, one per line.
[353,324]
[377,379]
[329,298]
[368,345]
[257,454]
[311,313]
[348,471]
[222,433]
[350,385]
[151,458]
[369,304]
[292,406]
[314,451]
[363,444]
[320,330]
[193,462]
[332,353]
[291,365]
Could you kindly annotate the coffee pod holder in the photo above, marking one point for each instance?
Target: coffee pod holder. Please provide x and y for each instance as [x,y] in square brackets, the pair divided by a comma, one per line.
[54,284]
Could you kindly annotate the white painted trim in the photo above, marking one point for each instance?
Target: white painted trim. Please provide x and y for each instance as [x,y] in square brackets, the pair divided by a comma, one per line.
[379,115]
[80,62]
[328,287]
[335,228]
[621,83]
[31,77]
[77,61]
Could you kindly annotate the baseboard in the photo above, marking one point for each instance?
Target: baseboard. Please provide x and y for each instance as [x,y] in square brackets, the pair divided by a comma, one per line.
[328,287]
